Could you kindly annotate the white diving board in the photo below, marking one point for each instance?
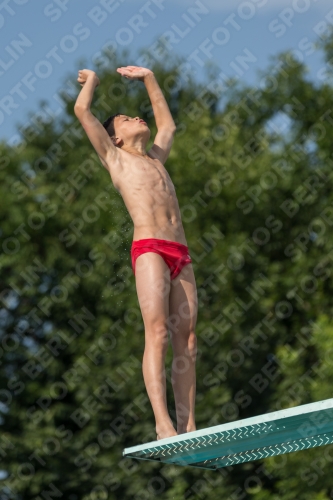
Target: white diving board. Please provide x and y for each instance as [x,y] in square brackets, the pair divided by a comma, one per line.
[254,438]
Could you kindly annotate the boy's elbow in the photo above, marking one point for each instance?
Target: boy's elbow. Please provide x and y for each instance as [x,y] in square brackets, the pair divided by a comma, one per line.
[171,127]
[79,110]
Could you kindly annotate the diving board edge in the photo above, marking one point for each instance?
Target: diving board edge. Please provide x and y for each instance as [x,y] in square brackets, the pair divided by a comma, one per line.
[273,433]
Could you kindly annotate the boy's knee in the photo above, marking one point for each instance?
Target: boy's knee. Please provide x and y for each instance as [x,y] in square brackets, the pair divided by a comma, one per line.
[192,340]
[158,333]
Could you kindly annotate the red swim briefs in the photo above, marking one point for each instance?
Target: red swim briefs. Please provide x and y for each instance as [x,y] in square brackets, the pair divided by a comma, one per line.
[174,254]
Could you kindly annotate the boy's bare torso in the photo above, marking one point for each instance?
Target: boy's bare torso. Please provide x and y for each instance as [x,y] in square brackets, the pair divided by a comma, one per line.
[149,195]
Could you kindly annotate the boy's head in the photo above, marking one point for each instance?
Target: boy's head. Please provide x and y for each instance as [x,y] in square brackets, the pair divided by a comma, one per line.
[126,130]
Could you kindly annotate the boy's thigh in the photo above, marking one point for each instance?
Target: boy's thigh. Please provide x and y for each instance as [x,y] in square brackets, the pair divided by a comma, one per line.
[183,301]
[152,280]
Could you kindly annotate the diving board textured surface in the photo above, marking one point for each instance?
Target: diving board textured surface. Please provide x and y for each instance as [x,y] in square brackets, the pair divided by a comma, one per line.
[254,438]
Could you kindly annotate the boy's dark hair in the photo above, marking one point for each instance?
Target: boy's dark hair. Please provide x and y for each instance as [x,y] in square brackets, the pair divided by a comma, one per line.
[109,125]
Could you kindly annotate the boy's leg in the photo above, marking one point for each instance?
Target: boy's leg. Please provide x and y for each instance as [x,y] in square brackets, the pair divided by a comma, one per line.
[183,307]
[152,278]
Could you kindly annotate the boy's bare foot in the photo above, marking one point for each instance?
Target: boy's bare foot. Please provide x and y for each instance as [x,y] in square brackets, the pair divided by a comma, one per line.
[165,433]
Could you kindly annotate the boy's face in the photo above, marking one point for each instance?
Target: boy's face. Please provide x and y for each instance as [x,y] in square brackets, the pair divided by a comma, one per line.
[128,129]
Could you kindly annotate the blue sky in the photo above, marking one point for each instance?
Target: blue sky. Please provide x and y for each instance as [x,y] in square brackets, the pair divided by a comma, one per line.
[43,42]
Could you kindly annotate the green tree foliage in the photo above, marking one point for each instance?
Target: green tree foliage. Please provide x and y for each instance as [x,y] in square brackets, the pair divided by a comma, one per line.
[253,179]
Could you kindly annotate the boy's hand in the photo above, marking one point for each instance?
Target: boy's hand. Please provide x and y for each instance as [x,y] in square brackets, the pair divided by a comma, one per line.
[134,72]
[84,74]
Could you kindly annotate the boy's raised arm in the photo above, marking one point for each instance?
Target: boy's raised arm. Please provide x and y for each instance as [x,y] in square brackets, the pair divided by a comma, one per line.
[163,117]
[95,131]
